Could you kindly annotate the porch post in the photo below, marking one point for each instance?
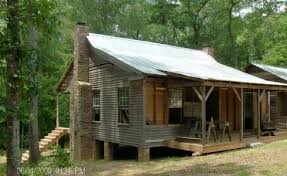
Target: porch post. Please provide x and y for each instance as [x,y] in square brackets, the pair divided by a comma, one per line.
[242,115]
[203,112]
[269,107]
[258,113]
[57,108]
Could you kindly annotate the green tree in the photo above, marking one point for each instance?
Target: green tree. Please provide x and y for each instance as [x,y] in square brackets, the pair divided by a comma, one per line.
[12,87]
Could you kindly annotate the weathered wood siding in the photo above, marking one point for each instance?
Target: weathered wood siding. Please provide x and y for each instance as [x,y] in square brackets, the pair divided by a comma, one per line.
[155,135]
[108,78]
[275,102]
[156,129]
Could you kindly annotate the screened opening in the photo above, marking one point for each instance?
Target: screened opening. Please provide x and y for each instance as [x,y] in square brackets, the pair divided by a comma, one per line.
[123,98]
[96,105]
[175,106]
[283,102]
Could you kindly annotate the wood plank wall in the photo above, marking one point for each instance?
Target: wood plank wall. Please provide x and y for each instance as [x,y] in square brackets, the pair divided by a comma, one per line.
[108,78]
[155,102]
[229,108]
[274,99]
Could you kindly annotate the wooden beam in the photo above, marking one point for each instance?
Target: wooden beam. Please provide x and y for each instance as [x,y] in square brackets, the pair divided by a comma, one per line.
[223,147]
[197,93]
[203,116]
[235,91]
[241,115]
[262,94]
[258,114]
[209,92]
[194,147]
[244,85]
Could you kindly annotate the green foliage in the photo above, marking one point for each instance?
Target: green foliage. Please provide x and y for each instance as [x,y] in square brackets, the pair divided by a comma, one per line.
[61,158]
[2,169]
[260,35]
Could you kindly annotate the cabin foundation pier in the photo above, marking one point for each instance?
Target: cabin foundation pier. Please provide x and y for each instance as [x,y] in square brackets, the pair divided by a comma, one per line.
[108,151]
[143,154]
[98,149]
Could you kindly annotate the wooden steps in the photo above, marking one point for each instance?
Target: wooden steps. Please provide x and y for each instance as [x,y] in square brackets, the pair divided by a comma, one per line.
[47,141]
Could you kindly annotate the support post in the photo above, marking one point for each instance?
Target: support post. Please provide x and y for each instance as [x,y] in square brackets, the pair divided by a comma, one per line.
[203,114]
[97,149]
[143,154]
[241,115]
[108,151]
[57,108]
[269,107]
[258,113]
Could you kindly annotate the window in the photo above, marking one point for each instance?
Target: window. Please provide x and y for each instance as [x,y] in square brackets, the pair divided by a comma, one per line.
[123,98]
[175,106]
[96,105]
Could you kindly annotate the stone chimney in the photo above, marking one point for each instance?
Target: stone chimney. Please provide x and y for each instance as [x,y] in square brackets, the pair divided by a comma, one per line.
[81,111]
[81,52]
[208,50]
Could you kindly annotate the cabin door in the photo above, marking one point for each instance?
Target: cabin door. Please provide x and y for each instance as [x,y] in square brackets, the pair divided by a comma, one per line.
[160,103]
[248,110]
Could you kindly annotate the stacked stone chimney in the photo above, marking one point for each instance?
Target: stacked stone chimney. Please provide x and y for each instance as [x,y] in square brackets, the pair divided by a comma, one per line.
[81,141]
[208,50]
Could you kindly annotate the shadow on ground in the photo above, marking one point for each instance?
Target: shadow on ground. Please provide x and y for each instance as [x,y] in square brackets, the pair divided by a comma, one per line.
[130,153]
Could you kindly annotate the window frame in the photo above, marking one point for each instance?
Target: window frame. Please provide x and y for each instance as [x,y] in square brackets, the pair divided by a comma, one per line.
[170,106]
[123,105]
[96,106]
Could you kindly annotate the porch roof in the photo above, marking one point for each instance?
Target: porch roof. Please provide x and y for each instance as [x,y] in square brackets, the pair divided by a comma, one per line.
[277,71]
[165,60]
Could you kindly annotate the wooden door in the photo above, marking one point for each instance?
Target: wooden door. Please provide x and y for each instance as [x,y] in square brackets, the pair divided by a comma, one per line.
[149,103]
[160,105]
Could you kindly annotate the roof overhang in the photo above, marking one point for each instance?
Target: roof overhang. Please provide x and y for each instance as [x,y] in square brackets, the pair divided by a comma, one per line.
[60,86]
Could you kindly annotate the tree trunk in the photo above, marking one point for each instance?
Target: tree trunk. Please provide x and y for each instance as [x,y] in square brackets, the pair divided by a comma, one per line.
[33,124]
[231,34]
[12,89]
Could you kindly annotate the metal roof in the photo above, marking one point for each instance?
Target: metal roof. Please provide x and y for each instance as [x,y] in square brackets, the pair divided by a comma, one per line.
[278,71]
[160,59]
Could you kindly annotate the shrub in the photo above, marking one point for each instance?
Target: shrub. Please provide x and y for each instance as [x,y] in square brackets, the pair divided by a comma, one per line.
[61,158]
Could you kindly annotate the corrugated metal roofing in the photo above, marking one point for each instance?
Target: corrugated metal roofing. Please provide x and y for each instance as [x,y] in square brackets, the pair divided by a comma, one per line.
[278,71]
[159,59]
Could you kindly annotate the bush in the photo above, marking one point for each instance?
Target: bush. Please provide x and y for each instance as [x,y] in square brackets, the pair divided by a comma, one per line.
[2,169]
[61,158]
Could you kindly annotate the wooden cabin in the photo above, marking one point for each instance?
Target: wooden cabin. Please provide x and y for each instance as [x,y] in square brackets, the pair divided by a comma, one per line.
[145,95]
[276,99]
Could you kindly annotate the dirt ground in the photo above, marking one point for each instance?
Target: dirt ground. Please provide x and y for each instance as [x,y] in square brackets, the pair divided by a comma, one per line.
[269,159]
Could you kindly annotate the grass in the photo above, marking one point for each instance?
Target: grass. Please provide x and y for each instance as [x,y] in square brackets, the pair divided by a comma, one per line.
[267,160]
[270,159]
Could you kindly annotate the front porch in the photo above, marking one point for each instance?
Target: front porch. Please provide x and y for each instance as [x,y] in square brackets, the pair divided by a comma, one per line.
[210,116]
[197,146]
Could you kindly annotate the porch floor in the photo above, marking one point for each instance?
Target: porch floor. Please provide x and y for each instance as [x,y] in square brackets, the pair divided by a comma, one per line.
[195,145]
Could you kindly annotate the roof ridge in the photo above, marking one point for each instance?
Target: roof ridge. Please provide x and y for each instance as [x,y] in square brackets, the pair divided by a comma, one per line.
[150,42]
